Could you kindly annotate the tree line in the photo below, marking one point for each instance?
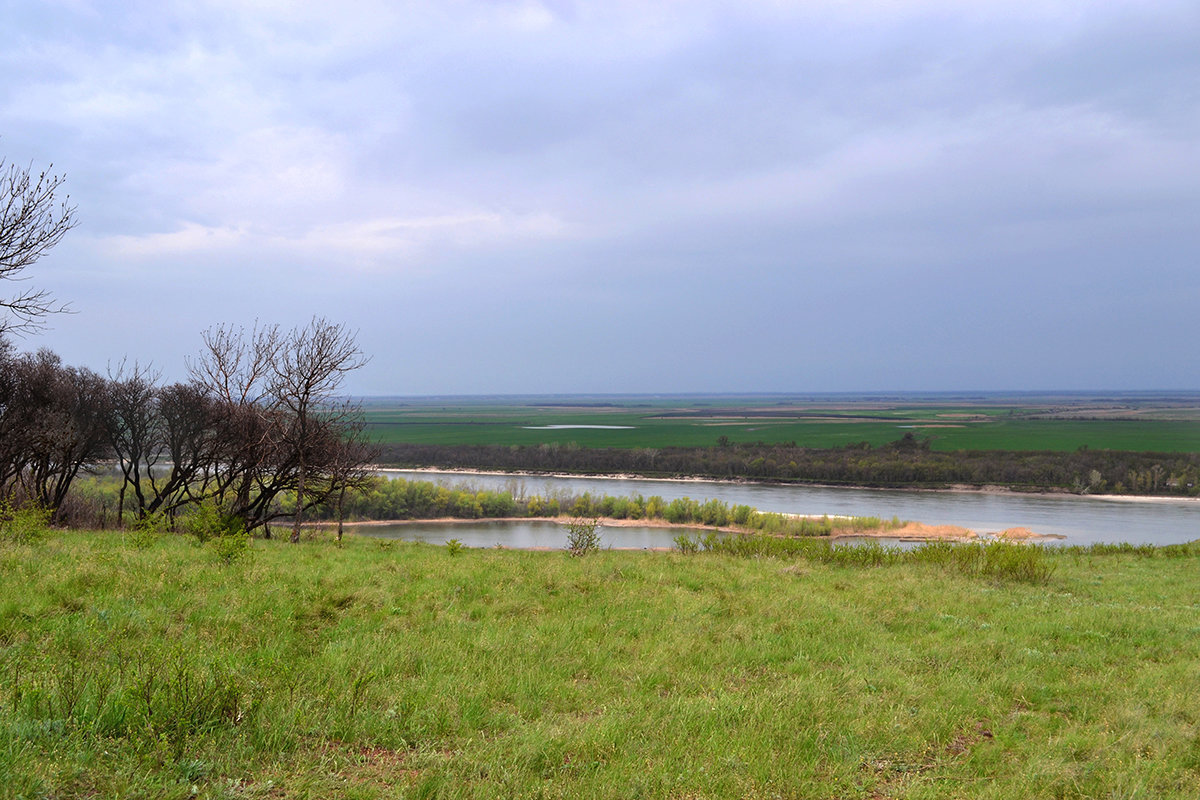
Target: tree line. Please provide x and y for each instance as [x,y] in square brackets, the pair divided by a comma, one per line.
[257,421]
[905,463]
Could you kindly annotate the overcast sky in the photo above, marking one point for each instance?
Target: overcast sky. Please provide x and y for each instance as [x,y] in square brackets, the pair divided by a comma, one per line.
[519,197]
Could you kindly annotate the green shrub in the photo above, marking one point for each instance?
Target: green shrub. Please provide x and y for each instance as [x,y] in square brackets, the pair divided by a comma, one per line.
[742,514]
[145,531]
[25,525]
[582,536]
[686,544]
[230,547]
[454,547]
[207,520]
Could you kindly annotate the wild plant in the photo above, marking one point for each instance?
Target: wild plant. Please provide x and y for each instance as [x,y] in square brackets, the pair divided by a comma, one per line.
[582,536]
[145,531]
[22,525]
[686,544]
[208,520]
[230,547]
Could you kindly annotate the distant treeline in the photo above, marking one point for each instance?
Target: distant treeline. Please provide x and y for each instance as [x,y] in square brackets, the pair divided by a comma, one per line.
[906,463]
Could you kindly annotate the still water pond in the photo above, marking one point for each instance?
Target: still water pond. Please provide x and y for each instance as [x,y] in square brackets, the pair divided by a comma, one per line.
[1081,520]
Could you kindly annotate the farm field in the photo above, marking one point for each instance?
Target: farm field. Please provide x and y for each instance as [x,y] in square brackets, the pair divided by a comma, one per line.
[134,667]
[1063,423]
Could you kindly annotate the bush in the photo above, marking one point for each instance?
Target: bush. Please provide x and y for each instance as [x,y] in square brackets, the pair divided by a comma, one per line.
[209,521]
[582,536]
[231,547]
[686,544]
[742,514]
[145,531]
[25,525]
[223,532]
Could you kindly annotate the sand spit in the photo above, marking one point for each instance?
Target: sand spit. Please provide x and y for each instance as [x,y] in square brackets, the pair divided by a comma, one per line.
[909,532]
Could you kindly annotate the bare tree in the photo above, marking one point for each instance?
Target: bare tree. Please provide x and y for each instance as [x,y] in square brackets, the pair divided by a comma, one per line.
[349,469]
[284,429]
[313,361]
[248,472]
[52,426]
[132,430]
[234,367]
[164,438]
[32,221]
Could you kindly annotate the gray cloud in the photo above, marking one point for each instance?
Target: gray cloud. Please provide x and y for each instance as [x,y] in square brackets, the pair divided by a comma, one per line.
[629,196]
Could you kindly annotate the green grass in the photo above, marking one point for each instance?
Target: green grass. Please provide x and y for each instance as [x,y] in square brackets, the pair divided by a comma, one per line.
[996,426]
[391,670]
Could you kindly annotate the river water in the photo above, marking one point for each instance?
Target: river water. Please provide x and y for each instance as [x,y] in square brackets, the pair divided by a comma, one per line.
[1080,520]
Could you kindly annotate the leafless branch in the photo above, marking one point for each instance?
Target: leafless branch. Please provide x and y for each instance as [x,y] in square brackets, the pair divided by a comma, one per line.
[31,223]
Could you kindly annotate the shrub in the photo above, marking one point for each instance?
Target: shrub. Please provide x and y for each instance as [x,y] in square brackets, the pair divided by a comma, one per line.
[230,547]
[742,514]
[24,525]
[582,536]
[145,531]
[714,512]
[209,521]
[686,544]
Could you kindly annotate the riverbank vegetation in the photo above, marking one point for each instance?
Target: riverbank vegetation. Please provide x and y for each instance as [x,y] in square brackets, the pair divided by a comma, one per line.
[157,668]
[94,500]
[908,462]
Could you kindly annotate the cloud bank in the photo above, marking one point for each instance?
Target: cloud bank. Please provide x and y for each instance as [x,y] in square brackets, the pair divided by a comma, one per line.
[629,197]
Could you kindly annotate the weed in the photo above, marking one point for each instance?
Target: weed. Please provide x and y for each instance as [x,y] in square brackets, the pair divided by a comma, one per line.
[454,546]
[517,674]
[997,560]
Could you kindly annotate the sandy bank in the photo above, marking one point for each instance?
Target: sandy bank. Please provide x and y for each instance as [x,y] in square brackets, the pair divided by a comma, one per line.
[920,532]
[909,532]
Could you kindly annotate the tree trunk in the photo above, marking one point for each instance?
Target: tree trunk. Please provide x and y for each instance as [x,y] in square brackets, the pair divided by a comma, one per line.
[121,507]
[299,505]
[341,516]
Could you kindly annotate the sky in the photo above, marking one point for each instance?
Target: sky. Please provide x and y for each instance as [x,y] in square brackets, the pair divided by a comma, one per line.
[627,197]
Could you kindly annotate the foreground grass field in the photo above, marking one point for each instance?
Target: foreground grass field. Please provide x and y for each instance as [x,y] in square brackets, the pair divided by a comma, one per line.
[389,670]
[1051,424]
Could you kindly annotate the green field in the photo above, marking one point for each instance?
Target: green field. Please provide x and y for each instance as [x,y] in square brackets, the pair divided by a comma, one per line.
[407,671]
[1168,424]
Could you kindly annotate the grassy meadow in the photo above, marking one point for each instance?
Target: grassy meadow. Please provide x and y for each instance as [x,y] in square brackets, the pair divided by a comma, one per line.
[142,666]
[1062,424]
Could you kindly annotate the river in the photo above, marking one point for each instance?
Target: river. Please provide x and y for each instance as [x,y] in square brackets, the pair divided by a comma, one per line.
[1080,520]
